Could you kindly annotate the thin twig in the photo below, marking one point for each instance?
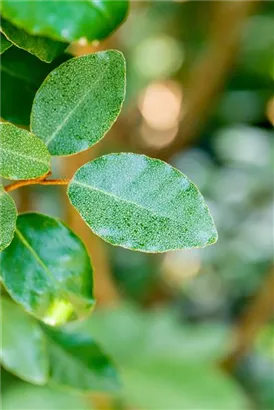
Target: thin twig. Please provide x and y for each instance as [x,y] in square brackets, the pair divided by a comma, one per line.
[19,184]
[261,309]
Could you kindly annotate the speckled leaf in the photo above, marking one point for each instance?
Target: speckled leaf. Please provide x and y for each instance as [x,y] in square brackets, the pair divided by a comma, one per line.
[42,47]
[21,76]
[47,270]
[141,203]
[22,154]
[78,362]
[8,215]
[79,101]
[5,44]
[23,345]
[64,19]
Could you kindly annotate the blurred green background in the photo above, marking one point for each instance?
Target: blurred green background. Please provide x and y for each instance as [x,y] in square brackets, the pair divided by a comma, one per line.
[188,329]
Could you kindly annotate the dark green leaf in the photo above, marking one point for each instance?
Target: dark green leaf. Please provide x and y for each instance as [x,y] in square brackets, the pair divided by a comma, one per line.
[4,43]
[23,345]
[43,48]
[21,76]
[141,203]
[47,270]
[22,154]
[79,101]
[78,362]
[66,20]
[8,215]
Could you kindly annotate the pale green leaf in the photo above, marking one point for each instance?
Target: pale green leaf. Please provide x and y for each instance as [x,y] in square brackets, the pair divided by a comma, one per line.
[23,345]
[21,76]
[182,386]
[22,154]
[42,47]
[8,215]
[47,270]
[25,396]
[5,44]
[141,204]
[78,362]
[66,20]
[166,364]
[79,101]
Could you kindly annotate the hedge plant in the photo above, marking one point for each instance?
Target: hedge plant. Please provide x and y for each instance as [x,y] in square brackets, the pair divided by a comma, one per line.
[67,105]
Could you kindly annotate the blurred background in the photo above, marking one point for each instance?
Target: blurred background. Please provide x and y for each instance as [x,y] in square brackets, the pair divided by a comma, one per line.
[189,329]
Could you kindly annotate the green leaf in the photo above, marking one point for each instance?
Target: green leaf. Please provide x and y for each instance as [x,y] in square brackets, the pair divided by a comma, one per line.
[23,345]
[5,44]
[141,204]
[166,364]
[21,76]
[181,386]
[47,270]
[8,215]
[79,101]
[21,396]
[22,154]
[66,20]
[77,362]
[42,47]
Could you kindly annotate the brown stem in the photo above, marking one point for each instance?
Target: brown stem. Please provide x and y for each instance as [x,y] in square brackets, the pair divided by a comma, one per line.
[208,75]
[261,309]
[19,184]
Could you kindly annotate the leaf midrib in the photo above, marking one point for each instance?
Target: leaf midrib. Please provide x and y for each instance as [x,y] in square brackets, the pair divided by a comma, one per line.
[63,292]
[68,116]
[16,153]
[35,255]
[117,198]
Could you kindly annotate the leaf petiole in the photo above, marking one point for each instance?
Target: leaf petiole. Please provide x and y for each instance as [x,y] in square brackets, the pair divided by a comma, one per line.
[19,184]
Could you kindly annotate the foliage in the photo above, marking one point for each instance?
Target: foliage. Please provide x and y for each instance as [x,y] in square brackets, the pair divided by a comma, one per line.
[173,366]
[127,199]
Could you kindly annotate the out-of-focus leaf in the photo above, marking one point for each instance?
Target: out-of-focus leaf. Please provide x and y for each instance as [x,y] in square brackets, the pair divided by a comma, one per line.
[8,215]
[21,76]
[181,386]
[47,270]
[23,346]
[42,47]
[154,336]
[78,362]
[79,101]
[141,203]
[4,43]
[24,396]
[22,154]
[165,364]
[66,20]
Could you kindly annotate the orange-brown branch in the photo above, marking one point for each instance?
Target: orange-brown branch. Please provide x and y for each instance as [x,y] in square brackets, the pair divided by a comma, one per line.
[19,184]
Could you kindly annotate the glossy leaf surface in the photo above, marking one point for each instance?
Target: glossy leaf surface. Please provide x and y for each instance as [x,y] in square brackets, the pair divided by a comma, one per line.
[23,345]
[47,270]
[8,215]
[141,203]
[22,154]
[66,20]
[5,43]
[21,76]
[42,47]
[79,101]
[78,362]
